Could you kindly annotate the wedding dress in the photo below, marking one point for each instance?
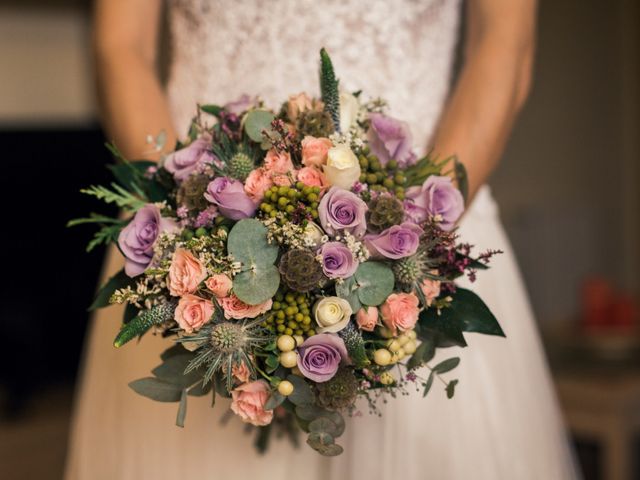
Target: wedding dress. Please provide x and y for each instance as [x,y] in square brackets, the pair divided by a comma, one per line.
[503,422]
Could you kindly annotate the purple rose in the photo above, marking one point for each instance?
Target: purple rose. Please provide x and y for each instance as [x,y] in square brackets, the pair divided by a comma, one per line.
[229,196]
[189,159]
[320,356]
[341,210]
[241,105]
[338,260]
[390,139]
[136,240]
[436,199]
[397,241]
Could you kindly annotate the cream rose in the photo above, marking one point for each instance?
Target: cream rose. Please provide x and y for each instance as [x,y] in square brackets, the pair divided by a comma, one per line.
[332,314]
[248,401]
[349,107]
[342,168]
[185,273]
[313,234]
[193,312]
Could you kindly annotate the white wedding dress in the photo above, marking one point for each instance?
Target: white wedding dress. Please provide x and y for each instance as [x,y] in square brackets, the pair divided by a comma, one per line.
[503,422]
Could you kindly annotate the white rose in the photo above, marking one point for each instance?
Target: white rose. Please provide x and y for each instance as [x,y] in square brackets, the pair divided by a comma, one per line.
[313,234]
[349,107]
[332,314]
[342,168]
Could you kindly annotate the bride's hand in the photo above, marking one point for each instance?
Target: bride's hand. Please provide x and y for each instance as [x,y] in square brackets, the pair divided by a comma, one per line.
[133,104]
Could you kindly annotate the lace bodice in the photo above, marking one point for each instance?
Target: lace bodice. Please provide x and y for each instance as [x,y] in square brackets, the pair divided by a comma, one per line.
[401,50]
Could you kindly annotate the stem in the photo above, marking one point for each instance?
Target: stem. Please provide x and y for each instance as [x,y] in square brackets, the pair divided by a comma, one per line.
[262,373]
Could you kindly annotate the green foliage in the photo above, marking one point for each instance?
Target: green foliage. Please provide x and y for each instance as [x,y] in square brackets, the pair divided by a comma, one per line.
[156,389]
[375,283]
[467,313]
[329,88]
[211,109]
[141,323]
[461,177]
[118,195]
[182,409]
[259,279]
[119,280]
[446,365]
[451,388]
[423,354]
[348,290]
[256,122]
[94,218]
[428,384]
[274,400]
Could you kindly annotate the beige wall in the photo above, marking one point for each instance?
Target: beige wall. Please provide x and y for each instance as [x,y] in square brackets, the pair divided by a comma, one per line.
[44,66]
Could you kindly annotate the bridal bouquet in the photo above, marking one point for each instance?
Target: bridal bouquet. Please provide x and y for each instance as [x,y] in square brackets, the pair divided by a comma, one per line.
[299,259]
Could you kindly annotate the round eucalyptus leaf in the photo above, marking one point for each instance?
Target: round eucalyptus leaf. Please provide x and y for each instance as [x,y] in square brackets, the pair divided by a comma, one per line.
[256,285]
[256,122]
[375,283]
[247,243]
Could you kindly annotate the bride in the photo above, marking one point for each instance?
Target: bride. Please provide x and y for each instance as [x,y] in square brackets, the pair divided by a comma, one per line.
[503,422]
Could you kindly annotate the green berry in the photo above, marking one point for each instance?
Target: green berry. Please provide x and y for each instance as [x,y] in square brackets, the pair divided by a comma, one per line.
[201,232]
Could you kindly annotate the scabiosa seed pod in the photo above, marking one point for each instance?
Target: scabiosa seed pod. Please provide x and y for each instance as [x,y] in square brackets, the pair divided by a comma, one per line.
[300,270]
[191,192]
[315,124]
[384,212]
[340,391]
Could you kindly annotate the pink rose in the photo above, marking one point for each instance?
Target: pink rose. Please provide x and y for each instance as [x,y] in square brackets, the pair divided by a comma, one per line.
[241,372]
[219,284]
[193,312]
[314,151]
[258,182]
[235,308]
[297,104]
[400,312]
[312,177]
[367,318]
[279,166]
[185,274]
[430,289]
[248,401]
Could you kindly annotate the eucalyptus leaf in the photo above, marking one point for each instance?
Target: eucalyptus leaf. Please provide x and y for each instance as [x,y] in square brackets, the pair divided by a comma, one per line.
[348,289]
[274,400]
[257,121]
[257,285]
[424,353]
[172,370]
[156,389]
[451,388]
[375,282]
[324,424]
[428,384]
[182,409]
[302,394]
[119,280]
[446,365]
[247,243]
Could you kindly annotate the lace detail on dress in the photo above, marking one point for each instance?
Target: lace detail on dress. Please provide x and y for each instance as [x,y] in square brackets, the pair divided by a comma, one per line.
[401,50]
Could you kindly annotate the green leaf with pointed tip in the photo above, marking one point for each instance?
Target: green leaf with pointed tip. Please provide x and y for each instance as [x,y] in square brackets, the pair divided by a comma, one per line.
[119,280]
[446,365]
[302,394]
[156,389]
[442,332]
[257,286]
[182,409]
[375,283]
[451,388]
[257,121]
[200,390]
[211,109]
[274,400]
[424,353]
[473,313]
[461,177]
[172,370]
[428,384]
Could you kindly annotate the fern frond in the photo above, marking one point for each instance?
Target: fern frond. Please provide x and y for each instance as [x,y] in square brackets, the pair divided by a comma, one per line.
[121,197]
[94,218]
[104,236]
[329,89]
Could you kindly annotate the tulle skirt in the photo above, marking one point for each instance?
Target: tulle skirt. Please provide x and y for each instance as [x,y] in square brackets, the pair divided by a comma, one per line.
[503,422]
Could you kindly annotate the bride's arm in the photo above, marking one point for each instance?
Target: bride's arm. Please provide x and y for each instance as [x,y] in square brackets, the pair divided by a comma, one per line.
[492,87]
[132,101]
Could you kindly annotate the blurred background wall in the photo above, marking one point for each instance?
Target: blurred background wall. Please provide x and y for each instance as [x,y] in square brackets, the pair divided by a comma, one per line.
[567,188]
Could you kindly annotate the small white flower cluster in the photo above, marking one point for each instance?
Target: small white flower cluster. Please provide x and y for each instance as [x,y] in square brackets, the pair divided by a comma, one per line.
[360,252]
[124,295]
[289,234]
